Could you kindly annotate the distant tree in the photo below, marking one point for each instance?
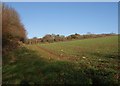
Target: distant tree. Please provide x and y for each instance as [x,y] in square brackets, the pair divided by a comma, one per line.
[74,36]
[69,37]
[62,37]
[77,36]
[57,38]
[48,38]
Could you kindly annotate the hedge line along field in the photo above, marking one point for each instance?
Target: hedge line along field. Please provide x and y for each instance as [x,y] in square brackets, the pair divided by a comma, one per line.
[90,61]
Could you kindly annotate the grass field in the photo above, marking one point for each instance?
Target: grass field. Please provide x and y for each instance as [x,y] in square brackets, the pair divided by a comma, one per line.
[88,61]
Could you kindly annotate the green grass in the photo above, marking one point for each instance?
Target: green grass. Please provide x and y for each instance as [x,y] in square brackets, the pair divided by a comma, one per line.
[105,45]
[89,61]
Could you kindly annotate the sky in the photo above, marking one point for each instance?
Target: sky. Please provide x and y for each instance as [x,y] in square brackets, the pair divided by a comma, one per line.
[65,18]
[60,0]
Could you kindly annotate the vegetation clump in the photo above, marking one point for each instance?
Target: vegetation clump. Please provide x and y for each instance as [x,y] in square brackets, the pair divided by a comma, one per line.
[13,30]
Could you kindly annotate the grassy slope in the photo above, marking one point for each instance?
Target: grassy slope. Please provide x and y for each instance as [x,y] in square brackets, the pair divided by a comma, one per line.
[86,61]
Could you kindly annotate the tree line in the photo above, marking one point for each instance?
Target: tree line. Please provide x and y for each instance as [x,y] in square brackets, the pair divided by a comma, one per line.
[50,38]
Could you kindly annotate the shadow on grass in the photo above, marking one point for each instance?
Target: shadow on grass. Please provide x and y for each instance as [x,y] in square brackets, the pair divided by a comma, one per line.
[30,69]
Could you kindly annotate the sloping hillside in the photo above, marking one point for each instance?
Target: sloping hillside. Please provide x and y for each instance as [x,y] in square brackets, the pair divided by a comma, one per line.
[89,61]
